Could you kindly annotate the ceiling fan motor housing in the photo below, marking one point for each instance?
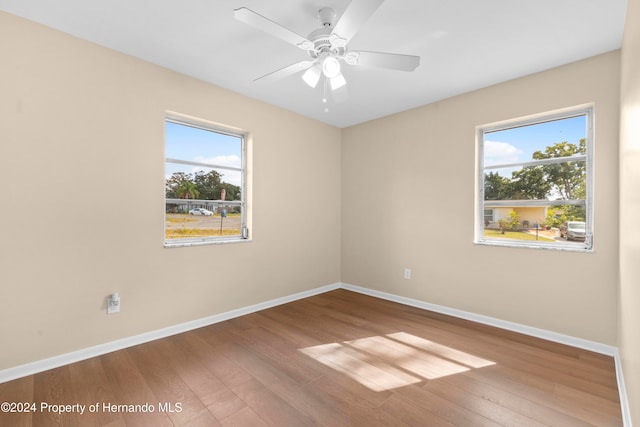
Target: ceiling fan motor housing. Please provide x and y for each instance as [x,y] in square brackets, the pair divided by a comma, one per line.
[322,38]
[327,17]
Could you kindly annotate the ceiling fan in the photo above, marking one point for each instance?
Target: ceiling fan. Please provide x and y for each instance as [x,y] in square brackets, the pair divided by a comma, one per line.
[327,46]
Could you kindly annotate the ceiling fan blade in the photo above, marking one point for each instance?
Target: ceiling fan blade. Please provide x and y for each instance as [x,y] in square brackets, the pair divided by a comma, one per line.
[393,61]
[354,17]
[286,71]
[261,23]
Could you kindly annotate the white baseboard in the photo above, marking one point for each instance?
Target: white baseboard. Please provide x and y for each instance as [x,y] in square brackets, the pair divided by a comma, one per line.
[98,350]
[622,389]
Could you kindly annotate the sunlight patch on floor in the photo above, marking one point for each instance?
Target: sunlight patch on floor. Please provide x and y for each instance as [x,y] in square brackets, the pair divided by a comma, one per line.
[395,360]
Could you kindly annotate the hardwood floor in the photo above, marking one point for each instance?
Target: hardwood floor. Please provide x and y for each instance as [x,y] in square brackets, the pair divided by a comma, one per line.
[336,359]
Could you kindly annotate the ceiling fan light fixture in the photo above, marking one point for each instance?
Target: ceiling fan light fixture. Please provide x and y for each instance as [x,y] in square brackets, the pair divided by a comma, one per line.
[312,75]
[330,67]
[337,82]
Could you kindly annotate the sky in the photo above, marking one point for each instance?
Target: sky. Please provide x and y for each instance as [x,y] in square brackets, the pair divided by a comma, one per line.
[519,144]
[199,145]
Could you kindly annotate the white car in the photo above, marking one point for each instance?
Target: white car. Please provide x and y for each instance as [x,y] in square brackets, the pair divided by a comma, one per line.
[200,211]
[574,230]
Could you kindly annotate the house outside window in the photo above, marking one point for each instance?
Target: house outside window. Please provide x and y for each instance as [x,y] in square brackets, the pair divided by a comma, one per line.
[489,217]
[534,181]
[205,183]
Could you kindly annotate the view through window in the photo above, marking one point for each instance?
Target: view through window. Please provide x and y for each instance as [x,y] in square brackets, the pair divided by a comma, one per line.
[204,184]
[535,182]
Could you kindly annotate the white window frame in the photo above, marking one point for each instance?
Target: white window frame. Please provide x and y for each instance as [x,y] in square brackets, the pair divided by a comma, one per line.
[184,120]
[586,110]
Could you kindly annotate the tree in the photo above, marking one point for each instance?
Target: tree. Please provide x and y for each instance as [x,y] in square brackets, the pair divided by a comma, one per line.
[188,190]
[555,219]
[574,212]
[510,223]
[497,187]
[201,185]
[173,184]
[530,183]
[233,191]
[208,184]
[567,179]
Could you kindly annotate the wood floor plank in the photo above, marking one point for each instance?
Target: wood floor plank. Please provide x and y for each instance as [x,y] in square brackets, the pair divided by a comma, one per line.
[448,410]
[89,381]
[411,414]
[155,363]
[52,387]
[244,418]
[574,369]
[19,394]
[335,359]
[530,389]
[217,397]
[505,397]
[280,353]
[130,388]
[351,392]
[483,407]
[270,407]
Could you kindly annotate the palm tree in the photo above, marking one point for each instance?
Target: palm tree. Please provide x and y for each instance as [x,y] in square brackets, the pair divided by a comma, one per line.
[188,190]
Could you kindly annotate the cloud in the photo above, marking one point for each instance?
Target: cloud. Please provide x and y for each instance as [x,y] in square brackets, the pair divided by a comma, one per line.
[228,176]
[230,160]
[496,153]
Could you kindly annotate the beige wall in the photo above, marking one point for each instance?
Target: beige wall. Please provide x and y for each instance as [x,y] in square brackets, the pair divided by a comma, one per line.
[420,165]
[82,149]
[629,322]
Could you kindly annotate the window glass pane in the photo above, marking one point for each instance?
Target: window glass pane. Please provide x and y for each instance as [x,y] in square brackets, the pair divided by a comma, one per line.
[534,182]
[556,181]
[536,141]
[208,182]
[202,202]
[203,146]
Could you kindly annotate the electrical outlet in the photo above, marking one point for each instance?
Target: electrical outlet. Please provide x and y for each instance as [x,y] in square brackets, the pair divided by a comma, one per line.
[113,304]
[407,273]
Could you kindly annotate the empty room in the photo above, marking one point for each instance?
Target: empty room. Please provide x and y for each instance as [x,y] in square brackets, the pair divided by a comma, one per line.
[323,213]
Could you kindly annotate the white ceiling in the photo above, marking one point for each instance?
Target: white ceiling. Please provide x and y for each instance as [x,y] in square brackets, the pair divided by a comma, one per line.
[464,44]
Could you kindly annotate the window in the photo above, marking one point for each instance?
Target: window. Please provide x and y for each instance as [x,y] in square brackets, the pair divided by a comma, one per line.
[534,182]
[205,183]
[488,217]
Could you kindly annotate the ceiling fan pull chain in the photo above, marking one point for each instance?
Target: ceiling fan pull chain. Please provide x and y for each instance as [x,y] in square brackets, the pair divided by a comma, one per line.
[324,97]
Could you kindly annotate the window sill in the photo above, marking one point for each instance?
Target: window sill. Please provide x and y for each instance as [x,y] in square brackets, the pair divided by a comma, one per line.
[558,246]
[203,242]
